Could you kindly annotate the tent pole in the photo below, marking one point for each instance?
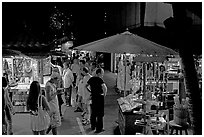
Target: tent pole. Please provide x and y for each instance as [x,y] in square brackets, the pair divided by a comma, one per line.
[144,91]
[125,75]
[41,71]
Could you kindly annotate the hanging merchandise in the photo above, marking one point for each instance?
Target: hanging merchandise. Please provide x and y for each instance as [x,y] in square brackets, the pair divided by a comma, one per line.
[5,65]
[28,68]
[18,68]
[46,65]
[8,66]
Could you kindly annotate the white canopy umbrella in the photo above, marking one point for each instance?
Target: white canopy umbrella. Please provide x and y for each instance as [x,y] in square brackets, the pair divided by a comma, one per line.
[129,43]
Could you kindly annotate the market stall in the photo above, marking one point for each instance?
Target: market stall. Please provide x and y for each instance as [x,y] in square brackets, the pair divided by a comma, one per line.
[132,44]
[23,70]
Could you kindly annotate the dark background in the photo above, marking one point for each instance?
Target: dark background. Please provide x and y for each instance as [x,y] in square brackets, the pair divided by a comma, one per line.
[21,19]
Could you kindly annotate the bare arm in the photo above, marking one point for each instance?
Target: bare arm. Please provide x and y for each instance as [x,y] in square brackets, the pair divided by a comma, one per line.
[104,88]
[7,98]
[87,86]
[49,96]
[45,104]
[71,76]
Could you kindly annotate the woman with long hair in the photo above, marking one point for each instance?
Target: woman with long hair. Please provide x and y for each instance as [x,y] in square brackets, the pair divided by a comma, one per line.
[33,103]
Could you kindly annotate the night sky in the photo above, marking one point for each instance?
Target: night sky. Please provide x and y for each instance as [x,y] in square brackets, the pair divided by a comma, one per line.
[87,19]
[87,22]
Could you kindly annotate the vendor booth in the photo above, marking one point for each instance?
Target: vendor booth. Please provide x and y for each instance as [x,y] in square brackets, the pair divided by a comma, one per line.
[23,70]
[143,78]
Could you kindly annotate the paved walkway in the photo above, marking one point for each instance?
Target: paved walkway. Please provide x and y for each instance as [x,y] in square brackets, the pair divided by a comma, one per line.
[71,125]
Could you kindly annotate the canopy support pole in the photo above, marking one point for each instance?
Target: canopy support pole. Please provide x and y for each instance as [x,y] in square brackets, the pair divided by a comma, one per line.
[125,75]
[41,71]
[144,91]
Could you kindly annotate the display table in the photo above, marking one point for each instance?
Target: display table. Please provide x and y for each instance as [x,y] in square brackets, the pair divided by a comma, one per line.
[127,120]
[20,94]
[131,115]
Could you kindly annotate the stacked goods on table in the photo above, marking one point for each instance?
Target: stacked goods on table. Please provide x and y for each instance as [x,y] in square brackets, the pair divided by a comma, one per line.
[134,101]
[129,102]
[180,111]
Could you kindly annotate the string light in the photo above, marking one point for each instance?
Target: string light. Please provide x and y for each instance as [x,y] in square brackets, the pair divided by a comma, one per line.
[57,20]
[60,23]
[105,20]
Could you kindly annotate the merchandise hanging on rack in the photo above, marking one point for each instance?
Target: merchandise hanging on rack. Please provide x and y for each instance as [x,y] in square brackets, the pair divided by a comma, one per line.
[133,44]
[28,68]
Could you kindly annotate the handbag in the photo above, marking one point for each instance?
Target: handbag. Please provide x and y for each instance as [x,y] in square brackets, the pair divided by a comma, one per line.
[41,121]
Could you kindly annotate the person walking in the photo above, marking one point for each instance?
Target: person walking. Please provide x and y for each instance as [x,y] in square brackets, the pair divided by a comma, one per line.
[59,85]
[35,102]
[4,122]
[75,70]
[9,110]
[51,95]
[79,84]
[68,80]
[86,98]
[98,90]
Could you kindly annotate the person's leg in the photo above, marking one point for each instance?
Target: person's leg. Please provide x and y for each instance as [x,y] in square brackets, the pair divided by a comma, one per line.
[11,96]
[9,118]
[42,132]
[89,111]
[87,115]
[49,129]
[99,123]
[54,131]
[69,95]
[77,96]
[75,77]
[4,123]
[66,96]
[83,110]
[93,120]
[60,109]
[60,102]
[35,133]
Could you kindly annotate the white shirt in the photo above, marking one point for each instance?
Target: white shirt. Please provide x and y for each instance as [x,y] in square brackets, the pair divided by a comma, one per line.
[75,68]
[80,88]
[68,78]
[86,94]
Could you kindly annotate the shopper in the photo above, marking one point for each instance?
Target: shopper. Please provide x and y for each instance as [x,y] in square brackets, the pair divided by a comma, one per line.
[75,70]
[35,102]
[51,95]
[79,83]
[68,80]
[59,85]
[11,83]
[98,90]
[86,98]
[9,110]
[93,69]
[4,123]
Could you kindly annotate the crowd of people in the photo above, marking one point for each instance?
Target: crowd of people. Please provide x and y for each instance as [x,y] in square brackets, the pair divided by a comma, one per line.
[78,85]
